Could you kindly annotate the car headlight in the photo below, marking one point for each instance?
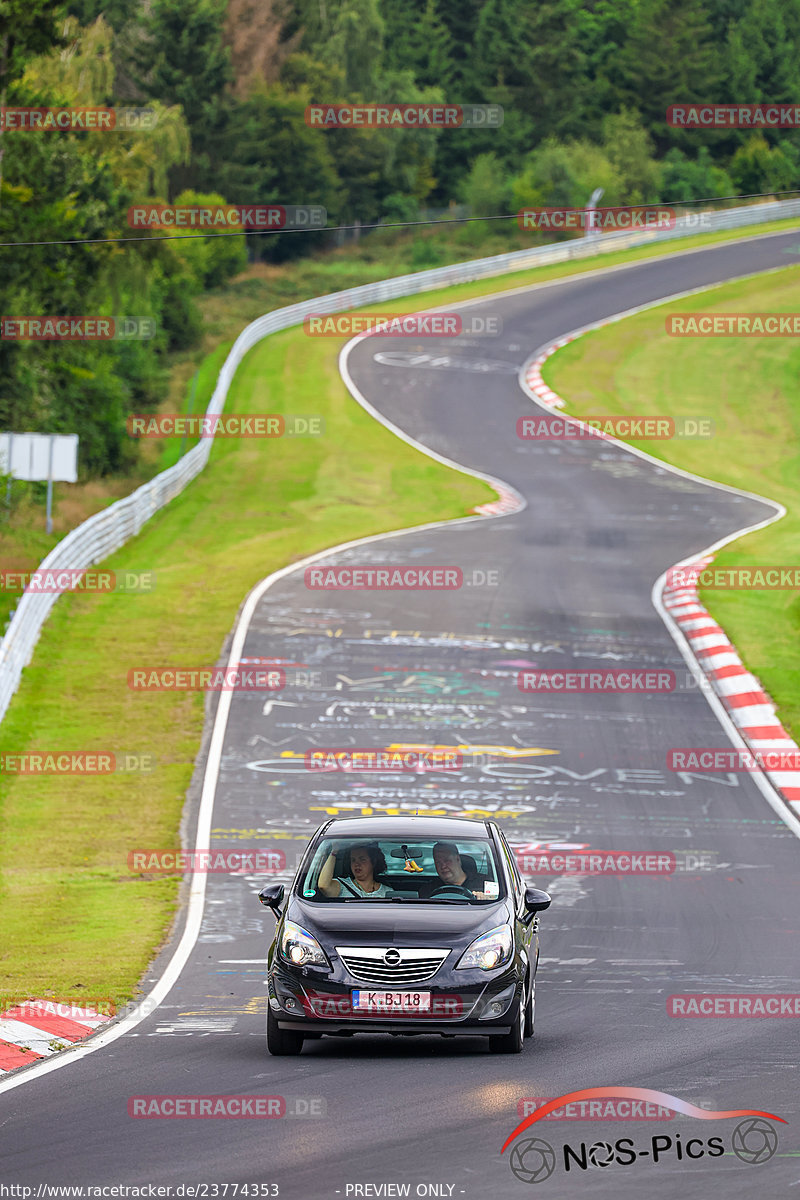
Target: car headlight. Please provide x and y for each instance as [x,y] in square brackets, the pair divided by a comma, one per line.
[300,948]
[490,950]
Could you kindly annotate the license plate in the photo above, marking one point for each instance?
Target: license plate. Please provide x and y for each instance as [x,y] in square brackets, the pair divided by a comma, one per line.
[394,1003]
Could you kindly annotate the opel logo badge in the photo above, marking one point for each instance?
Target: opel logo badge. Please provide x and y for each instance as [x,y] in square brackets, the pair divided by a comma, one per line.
[392,957]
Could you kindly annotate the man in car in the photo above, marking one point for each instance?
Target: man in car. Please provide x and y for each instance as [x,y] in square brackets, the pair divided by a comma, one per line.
[451,872]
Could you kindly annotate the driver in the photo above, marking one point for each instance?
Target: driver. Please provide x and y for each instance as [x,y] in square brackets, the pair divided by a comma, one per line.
[450,870]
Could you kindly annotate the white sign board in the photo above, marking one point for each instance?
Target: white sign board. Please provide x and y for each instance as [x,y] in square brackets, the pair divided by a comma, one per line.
[40,456]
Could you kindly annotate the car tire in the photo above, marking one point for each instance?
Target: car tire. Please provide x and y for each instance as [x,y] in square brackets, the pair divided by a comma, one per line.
[512,1043]
[281,1042]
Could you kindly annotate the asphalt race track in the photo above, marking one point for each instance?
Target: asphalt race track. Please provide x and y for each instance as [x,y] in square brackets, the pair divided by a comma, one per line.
[572,587]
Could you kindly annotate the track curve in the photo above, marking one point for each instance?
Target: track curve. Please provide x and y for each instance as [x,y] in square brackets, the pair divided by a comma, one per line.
[575,571]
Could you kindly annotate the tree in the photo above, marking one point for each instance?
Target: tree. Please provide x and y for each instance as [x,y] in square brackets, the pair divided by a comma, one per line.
[486,189]
[276,158]
[183,59]
[355,45]
[768,29]
[211,260]
[85,76]
[115,12]
[669,58]
[762,61]
[402,20]
[501,52]
[688,179]
[556,77]
[602,29]
[629,150]
[564,176]
[78,186]
[460,18]
[432,50]
[27,28]
[756,169]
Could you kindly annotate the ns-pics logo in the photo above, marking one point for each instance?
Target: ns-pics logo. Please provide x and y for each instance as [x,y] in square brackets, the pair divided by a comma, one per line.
[533,1160]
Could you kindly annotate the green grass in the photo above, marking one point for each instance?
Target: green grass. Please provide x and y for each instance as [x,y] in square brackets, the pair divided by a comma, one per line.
[749,388]
[198,393]
[75,920]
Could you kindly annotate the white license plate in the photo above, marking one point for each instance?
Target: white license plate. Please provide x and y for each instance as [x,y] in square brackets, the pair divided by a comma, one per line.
[401,1003]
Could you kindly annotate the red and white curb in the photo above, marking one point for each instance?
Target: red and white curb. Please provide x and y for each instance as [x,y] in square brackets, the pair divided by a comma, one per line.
[745,701]
[509,502]
[38,1028]
[533,374]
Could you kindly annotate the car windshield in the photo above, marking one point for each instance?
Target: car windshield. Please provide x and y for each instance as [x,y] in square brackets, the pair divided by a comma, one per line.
[436,871]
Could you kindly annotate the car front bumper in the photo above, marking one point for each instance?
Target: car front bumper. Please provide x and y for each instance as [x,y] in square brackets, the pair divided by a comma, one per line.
[313,1003]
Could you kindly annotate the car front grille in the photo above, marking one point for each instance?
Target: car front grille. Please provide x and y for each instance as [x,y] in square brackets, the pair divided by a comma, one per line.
[367,964]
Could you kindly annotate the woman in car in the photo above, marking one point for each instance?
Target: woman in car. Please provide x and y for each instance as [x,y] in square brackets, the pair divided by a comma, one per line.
[366,861]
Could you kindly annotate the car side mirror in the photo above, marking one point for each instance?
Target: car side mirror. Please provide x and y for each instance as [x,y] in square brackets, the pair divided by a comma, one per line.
[272,897]
[536,901]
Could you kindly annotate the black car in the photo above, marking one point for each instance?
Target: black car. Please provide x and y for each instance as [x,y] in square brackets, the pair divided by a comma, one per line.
[404,925]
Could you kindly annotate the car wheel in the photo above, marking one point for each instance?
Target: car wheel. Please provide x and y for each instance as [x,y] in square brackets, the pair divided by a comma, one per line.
[511,1043]
[281,1041]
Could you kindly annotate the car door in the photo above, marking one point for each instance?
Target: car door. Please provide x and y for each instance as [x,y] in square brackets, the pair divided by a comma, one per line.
[525,931]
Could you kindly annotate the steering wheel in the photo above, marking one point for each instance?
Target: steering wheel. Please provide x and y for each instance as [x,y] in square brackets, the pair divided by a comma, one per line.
[457,889]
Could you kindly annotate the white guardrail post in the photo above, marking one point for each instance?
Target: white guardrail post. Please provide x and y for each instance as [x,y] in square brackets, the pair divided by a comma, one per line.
[102,534]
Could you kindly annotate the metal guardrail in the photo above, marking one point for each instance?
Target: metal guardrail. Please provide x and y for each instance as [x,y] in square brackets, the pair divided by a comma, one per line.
[99,536]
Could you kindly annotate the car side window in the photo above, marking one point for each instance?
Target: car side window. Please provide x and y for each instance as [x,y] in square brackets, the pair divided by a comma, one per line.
[513,870]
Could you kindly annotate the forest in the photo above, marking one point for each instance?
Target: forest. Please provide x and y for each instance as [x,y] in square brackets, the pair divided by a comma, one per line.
[584,90]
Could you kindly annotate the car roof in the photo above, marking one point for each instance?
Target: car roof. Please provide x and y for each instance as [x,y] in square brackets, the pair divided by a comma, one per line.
[450,828]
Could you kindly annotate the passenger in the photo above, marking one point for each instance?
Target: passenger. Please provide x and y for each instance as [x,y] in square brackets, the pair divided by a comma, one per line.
[366,861]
